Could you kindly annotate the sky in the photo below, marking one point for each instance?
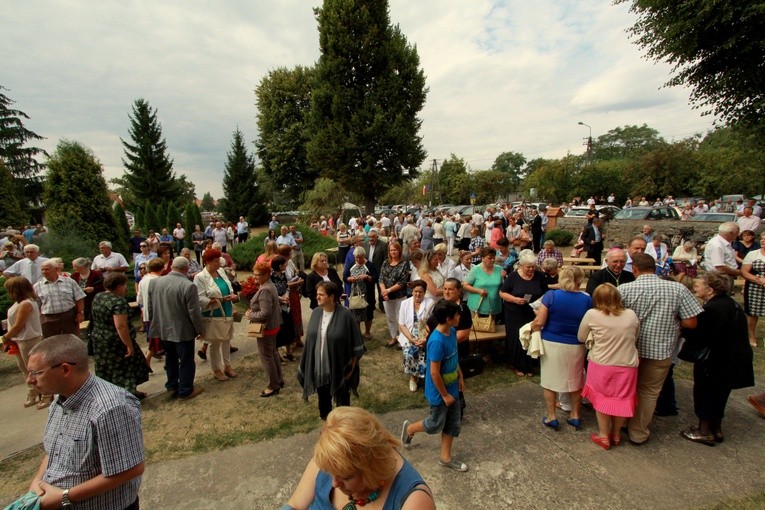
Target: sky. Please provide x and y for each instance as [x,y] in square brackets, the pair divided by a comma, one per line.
[502,75]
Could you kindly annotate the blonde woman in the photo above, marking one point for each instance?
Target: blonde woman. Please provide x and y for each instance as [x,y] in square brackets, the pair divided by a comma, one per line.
[428,272]
[25,330]
[612,372]
[357,459]
[562,366]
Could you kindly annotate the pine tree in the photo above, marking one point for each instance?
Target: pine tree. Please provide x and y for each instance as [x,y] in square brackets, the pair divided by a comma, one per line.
[18,158]
[161,217]
[173,216]
[139,220]
[368,92]
[76,196]
[10,210]
[240,188]
[208,202]
[189,220]
[149,218]
[148,169]
[120,241]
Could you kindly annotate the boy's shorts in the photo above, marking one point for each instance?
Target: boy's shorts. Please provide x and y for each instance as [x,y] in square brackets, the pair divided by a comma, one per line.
[444,419]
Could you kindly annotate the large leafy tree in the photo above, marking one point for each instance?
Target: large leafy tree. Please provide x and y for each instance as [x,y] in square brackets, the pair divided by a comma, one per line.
[512,164]
[148,169]
[76,196]
[20,158]
[716,48]
[284,101]
[627,141]
[368,92]
[454,183]
[240,189]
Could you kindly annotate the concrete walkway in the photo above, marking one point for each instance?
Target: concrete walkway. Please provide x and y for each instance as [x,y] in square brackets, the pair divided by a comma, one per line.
[514,461]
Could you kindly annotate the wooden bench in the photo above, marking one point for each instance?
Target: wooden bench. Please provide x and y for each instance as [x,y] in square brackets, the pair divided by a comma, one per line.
[578,260]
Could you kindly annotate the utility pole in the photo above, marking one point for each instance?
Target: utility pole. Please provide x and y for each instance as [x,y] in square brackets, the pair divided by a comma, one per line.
[588,142]
[433,177]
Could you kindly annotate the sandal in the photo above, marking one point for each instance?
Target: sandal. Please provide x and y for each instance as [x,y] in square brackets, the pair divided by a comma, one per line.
[615,439]
[519,373]
[603,442]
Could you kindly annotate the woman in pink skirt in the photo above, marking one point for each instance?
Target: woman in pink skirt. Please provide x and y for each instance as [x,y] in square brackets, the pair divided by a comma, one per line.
[610,332]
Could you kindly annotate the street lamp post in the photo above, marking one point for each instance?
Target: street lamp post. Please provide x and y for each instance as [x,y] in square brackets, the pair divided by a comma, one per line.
[589,141]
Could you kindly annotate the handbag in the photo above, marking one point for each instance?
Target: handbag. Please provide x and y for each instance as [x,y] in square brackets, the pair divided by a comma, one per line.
[357,300]
[256,329]
[471,365]
[218,328]
[483,324]
[694,352]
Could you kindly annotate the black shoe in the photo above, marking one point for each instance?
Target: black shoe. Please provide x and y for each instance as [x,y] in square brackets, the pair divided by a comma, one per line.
[202,354]
[665,412]
[233,349]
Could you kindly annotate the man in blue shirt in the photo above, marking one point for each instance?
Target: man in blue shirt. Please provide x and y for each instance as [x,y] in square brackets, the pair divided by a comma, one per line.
[443,382]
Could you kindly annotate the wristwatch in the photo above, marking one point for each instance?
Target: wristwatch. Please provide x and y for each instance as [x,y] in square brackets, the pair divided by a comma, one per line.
[65,501]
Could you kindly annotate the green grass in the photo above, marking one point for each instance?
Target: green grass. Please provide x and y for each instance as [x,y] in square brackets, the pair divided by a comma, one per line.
[756,502]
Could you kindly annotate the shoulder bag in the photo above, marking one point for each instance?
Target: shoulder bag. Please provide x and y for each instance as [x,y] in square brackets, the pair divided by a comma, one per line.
[483,324]
[218,328]
[255,330]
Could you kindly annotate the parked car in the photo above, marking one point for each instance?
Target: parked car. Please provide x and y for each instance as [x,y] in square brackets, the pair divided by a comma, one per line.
[580,211]
[716,217]
[469,210]
[663,212]
[733,198]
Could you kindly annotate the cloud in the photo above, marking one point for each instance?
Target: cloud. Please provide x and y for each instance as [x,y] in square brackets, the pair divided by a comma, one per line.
[503,75]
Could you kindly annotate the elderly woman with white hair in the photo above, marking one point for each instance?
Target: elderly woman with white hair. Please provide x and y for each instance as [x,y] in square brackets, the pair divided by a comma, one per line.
[362,277]
[520,288]
[91,281]
[685,259]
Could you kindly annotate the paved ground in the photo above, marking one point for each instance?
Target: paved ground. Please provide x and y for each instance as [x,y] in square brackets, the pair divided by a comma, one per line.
[514,461]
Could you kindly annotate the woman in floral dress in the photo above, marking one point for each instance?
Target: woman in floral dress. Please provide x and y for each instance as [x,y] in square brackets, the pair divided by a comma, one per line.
[117,357]
[412,317]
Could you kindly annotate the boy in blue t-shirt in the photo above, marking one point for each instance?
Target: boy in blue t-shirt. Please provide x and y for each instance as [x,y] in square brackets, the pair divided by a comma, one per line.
[443,382]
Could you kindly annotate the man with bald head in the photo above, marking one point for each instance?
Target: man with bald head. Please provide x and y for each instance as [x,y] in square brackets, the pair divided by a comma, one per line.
[613,273]
[62,301]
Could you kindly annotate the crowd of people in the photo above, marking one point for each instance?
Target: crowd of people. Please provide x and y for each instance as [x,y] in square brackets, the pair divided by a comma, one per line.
[611,341]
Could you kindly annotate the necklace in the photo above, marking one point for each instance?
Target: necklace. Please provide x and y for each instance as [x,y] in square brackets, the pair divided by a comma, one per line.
[351,505]
[615,277]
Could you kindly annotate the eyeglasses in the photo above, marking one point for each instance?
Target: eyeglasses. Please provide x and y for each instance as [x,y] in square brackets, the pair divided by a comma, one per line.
[144,246]
[35,373]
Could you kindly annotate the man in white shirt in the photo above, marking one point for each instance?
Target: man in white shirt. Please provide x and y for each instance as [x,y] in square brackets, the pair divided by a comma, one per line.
[749,221]
[29,267]
[109,260]
[242,230]
[719,254]
[219,236]
[62,302]
[179,234]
